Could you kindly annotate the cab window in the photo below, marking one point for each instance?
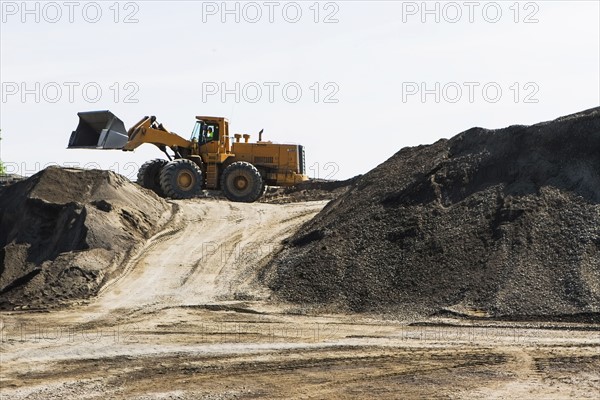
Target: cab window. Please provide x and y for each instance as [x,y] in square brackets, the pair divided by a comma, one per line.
[212,132]
[205,132]
[197,131]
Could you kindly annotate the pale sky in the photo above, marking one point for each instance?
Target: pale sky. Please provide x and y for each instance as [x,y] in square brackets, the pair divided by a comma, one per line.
[361,67]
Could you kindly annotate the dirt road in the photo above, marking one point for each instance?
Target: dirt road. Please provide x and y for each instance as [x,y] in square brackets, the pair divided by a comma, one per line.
[189,320]
[210,251]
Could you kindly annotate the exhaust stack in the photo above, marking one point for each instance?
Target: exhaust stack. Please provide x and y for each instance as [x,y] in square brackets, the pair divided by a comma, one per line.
[98,130]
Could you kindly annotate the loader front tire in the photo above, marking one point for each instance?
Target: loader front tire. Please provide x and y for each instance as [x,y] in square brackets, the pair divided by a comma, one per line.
[181,179]
[149,175]
[242,182]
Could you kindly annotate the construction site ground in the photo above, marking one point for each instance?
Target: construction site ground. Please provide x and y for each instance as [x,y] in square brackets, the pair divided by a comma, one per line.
[188,319]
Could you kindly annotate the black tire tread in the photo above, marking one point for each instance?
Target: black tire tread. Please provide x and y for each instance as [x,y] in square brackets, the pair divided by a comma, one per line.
[258,183]
[168,177]
[145,178]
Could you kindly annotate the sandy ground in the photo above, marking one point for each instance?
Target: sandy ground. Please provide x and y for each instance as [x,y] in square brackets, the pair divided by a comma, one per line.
[188,320]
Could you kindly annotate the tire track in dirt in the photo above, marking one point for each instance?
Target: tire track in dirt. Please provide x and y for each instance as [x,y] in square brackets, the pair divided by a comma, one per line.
[210,250]
[171,227]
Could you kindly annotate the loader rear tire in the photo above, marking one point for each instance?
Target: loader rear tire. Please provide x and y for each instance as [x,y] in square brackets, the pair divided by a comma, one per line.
[149,175]
[181,179]
[242,182]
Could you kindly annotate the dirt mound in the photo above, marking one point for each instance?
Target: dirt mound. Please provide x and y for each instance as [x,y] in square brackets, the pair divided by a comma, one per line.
[65,232]
[501,223]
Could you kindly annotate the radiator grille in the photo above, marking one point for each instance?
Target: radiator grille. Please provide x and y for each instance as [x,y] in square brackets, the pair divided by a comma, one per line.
[263,160]
[301,162]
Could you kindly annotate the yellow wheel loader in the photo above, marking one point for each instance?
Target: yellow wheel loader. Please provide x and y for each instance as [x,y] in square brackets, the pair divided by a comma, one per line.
[210,159]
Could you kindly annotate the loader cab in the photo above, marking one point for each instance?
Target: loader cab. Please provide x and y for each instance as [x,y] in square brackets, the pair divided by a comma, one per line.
[205,132]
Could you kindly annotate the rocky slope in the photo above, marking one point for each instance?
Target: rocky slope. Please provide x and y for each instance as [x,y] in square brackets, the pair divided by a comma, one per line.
[502,223]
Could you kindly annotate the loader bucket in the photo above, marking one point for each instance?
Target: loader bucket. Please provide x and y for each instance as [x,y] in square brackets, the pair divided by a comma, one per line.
[98,130]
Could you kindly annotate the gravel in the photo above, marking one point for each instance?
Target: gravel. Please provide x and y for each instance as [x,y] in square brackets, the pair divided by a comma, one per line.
[491,223]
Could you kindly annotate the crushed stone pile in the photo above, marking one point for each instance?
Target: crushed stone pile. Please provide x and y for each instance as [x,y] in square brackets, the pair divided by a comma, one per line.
[7,179]
[491,223]
[65,232]
[312,190]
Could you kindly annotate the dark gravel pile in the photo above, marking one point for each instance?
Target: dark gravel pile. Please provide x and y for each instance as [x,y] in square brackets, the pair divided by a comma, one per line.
[7,179]
[312,190]
[491,223]
[65,232]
